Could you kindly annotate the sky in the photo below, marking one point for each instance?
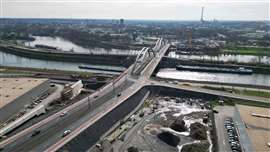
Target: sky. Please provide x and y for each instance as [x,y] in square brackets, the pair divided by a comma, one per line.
[137,9]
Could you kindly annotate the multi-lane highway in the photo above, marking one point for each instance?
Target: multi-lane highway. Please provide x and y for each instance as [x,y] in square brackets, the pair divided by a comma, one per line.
[90,110]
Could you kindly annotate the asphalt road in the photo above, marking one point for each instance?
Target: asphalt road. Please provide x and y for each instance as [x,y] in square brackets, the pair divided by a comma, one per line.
[53,130]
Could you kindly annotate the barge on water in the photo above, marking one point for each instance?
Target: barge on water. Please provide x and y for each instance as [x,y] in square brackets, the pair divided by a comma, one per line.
[102,68]
[239,70]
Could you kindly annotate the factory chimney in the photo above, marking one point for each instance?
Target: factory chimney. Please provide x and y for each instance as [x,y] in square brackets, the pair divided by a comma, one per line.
[202,15]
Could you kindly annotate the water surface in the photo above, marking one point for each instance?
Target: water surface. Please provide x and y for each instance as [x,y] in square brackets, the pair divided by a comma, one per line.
[66,45]
[17,61]
[255,79]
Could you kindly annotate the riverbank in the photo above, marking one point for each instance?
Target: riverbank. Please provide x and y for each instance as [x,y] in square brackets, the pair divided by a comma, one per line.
[27,70]
[169,62]
[248,92]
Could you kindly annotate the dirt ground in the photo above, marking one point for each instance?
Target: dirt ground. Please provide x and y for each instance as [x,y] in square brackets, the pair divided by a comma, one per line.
[258,128]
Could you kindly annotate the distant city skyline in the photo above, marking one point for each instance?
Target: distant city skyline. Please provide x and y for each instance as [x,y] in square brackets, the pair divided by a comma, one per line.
[139,9]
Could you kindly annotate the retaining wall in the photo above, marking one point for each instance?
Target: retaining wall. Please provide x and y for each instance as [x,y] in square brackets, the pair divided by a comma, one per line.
[92,134]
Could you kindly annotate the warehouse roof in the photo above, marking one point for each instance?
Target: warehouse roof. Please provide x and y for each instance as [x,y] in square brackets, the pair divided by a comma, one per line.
[12,88]
[258,128]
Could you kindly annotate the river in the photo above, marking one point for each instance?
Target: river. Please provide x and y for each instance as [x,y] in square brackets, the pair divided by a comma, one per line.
[255,79]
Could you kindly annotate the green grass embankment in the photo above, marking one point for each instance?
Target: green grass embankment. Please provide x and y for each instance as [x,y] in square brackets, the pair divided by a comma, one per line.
[232,102]
[259,51]
[257,93]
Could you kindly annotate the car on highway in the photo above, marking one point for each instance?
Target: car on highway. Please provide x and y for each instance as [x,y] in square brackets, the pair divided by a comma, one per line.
[66,132]
[35,133]
[63,114]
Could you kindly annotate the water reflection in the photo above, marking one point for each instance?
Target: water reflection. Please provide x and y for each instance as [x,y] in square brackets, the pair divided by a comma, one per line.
[226,58]
[255,79]
[66,45]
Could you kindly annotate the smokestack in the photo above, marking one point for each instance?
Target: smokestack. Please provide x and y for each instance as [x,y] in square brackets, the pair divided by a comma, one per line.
[202,14]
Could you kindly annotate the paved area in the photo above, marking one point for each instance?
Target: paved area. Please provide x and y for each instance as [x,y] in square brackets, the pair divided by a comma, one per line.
[257,129]
[53,127]
[223,113]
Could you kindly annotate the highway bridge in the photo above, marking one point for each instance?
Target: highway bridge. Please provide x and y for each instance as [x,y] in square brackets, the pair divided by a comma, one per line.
[90,118]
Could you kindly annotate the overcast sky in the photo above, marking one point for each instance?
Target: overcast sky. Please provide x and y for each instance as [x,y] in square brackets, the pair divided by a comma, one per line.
[137,9]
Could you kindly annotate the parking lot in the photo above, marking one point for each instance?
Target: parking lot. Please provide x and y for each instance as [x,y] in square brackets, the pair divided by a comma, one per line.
[224,112]
[232,135]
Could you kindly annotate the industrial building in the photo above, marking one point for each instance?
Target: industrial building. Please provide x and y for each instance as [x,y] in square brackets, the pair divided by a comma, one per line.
[72,90]
[257,126]
[18,93]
